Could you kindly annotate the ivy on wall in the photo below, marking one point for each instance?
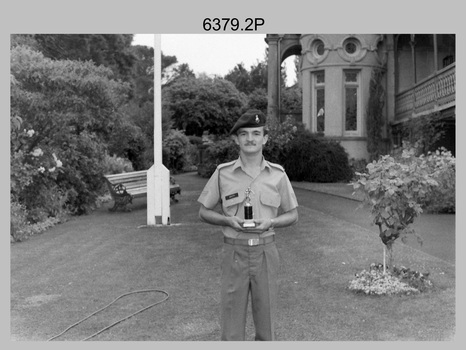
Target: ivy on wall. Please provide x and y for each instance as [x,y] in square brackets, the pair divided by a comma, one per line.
[374,112]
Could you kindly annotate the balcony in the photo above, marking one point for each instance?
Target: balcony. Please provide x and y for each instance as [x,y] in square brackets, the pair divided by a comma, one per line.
[433,94]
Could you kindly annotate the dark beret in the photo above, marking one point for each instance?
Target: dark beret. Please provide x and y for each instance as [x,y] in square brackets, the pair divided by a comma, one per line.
[253,118]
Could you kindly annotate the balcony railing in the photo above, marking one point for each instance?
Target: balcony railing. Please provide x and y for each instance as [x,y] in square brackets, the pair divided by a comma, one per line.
[433,94]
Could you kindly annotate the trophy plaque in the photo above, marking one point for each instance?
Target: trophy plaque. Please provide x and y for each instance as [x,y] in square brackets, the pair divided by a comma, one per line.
[248,213]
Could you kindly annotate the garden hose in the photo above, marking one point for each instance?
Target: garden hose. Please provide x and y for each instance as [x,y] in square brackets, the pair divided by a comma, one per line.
[121,320]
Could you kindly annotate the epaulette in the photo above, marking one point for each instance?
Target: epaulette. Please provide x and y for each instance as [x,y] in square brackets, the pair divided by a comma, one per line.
[223,165]
[276,166]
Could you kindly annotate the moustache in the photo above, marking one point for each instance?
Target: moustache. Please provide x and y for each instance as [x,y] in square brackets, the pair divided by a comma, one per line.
[250,143]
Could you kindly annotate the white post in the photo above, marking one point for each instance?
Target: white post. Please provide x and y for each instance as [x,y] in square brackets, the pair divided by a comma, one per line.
[158,176]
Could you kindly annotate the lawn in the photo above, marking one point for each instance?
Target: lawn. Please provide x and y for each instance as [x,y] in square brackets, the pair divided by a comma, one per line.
[78,267]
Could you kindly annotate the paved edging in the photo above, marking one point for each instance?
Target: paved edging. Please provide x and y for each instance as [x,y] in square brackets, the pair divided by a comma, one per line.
[335,190]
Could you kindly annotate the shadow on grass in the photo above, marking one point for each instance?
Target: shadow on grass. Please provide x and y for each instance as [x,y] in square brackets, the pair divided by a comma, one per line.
[76,268]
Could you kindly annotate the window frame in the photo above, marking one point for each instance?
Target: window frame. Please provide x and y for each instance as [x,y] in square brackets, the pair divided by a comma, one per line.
[314,87]
[357,85]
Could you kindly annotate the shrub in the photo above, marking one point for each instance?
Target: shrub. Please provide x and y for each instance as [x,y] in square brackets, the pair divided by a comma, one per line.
[280,135]
[84,159]
[116,165]
[66,110]
[357,165]
[310,158]
[217,153]
[21,228]
[130,142]
[18,221]
[442,165]
[175,149]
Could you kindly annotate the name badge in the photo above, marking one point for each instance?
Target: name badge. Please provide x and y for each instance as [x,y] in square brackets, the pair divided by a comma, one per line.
[231,196]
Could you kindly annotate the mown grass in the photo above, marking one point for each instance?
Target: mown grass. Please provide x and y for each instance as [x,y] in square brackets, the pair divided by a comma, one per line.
[76,268]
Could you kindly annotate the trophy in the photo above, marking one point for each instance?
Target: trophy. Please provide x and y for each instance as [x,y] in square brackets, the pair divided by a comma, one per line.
[248,215]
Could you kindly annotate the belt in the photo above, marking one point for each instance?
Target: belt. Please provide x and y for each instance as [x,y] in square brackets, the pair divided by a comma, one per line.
[249,242]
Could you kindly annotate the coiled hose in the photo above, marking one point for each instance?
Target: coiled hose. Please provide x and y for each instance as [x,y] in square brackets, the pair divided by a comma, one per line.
[121,320]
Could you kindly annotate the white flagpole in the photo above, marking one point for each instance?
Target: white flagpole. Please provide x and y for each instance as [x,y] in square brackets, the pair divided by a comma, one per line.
[158,176]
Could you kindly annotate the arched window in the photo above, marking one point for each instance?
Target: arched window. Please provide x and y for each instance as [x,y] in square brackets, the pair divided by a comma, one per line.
[404,62]
[424,56]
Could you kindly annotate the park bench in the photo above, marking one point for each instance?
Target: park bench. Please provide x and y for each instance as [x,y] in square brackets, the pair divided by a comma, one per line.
[126,186]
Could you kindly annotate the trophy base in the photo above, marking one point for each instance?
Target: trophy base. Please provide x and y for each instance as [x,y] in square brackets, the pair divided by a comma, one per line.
[249,224]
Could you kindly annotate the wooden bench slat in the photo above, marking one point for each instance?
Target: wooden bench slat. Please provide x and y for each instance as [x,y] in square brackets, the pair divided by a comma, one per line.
[135,185]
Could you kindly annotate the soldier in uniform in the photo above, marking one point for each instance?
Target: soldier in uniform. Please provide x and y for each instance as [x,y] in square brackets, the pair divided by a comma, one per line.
[250,262]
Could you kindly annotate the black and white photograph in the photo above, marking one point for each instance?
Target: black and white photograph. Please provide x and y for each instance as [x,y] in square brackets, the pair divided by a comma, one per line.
[235,178]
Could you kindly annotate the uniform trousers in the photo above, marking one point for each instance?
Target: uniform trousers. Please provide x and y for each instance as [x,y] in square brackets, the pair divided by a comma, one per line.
[249,270]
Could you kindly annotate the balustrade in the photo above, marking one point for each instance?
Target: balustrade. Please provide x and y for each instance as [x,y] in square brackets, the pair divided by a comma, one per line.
[434,93]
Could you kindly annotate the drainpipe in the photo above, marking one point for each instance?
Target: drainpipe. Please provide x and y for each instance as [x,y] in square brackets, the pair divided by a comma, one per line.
[413,56]
[279,65]
[435,53]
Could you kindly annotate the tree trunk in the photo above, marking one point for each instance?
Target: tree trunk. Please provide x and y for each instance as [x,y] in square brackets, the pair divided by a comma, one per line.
[389,249]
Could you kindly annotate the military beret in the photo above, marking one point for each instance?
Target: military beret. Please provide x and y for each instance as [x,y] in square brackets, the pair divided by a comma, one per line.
[253,118]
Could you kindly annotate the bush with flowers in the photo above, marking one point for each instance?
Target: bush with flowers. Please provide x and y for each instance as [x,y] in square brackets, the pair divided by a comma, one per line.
[36,200]
[442,165]
[398,281]
[62,116]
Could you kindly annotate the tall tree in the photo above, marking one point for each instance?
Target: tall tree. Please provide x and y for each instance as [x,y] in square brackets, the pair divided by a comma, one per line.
[241,78]
[259,76]
[203,104]
[142,74]
[110,50]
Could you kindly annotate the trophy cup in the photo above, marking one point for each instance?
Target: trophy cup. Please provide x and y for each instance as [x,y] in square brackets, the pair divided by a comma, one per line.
[248,214]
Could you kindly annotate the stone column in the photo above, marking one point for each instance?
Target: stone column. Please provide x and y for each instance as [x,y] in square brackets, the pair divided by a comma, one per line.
[272,77]
[390,87]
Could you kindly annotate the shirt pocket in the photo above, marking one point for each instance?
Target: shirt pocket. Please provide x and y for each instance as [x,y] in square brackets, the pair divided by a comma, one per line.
[231,206]
[270,199]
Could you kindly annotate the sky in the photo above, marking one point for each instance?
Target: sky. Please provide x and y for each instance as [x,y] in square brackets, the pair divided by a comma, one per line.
[214,54]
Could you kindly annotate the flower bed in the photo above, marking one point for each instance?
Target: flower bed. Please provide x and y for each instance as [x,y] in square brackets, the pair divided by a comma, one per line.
[398,281]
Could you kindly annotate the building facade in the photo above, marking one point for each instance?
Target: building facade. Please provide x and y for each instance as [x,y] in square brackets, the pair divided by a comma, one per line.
[335,72]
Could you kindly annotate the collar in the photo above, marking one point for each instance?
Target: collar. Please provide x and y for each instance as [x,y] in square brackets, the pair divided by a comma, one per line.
[239,164]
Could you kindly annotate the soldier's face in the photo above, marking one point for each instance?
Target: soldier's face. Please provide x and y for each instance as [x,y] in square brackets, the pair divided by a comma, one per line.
[251,140]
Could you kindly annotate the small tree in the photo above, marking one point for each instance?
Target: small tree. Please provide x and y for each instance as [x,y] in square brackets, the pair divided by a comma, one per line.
[396,190]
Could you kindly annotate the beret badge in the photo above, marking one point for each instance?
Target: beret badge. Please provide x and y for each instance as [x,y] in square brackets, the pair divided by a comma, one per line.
[257,119]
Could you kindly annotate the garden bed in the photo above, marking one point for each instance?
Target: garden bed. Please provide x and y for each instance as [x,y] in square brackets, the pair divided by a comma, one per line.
[397,281]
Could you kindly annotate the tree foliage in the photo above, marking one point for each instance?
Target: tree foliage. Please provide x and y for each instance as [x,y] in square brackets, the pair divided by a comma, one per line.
[203,104]
[292,99]
[68,110]
[248,81]
[110,50]
[258,100]
[397,189]
[142,74]
[426,132]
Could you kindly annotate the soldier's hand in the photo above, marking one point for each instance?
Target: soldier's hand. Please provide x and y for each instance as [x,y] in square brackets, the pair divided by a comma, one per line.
[236,223]
[262,225]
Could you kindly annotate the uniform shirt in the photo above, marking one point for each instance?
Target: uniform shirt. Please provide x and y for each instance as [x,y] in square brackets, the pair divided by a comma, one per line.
[271,192]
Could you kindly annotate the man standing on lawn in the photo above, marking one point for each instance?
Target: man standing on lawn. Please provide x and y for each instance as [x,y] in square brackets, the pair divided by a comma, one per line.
[247,186]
